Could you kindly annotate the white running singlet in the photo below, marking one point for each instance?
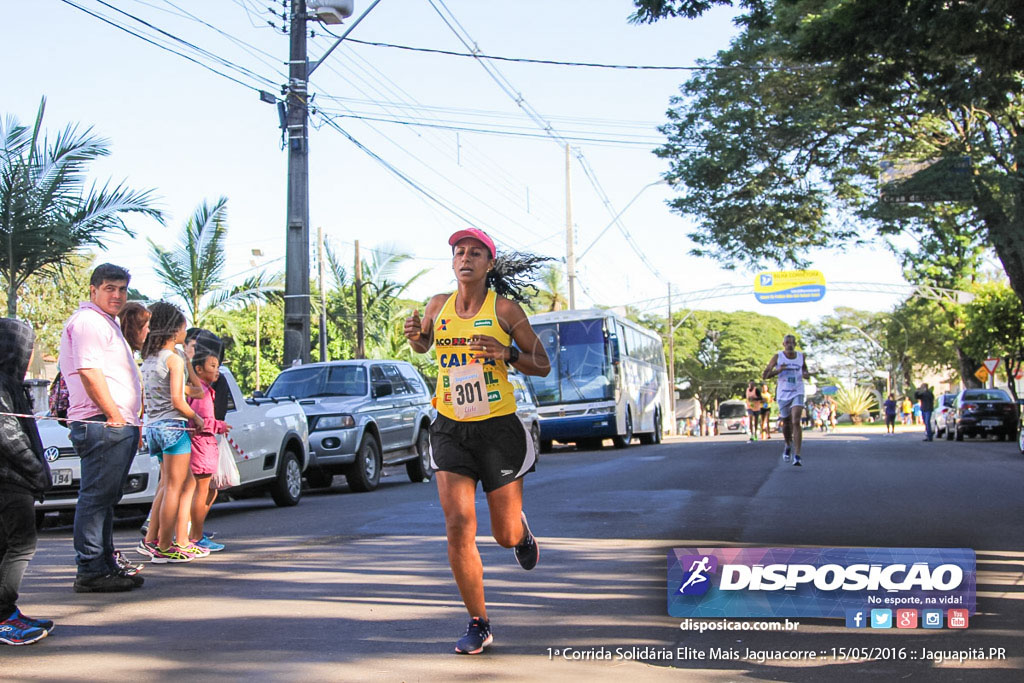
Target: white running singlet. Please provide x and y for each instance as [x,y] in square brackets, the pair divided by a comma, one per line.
[791,376]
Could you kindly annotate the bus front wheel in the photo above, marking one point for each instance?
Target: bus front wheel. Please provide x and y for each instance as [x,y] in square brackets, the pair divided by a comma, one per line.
[622,441]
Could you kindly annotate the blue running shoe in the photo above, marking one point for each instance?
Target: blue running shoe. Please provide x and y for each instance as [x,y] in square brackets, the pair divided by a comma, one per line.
[17,632]
[478,636]
[210,545]
[44,624]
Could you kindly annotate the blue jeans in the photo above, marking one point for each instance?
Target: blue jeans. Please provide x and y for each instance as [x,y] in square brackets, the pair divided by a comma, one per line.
[106,454]
[17,545]
[926,415]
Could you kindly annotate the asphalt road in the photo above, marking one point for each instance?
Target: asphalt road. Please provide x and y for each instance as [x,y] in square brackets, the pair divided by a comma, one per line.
[356,587]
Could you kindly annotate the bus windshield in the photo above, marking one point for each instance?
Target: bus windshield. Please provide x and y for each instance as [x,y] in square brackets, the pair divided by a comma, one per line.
[580,367]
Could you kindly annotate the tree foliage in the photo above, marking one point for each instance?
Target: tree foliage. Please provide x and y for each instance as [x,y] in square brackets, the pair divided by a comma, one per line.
[717,353]
[777,144]
[995,328]
[47,300]
[48,210]
[193,270]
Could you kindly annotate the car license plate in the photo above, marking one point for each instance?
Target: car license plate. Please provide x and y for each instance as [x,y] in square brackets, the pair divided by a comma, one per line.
[991,423]
[61,477]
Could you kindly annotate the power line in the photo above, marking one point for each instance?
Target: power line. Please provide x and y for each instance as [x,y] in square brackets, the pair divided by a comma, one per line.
[493,114]
[178,39]
[159,45]
[455,211]
[520,100]
[493,131]
[484,178]
[526,60]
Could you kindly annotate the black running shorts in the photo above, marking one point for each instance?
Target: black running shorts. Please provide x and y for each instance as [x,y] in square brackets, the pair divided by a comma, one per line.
[495,452]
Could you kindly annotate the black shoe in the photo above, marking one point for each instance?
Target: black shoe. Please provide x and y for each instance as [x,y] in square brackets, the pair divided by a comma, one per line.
[527,552]
[104,583]
[136,580]
[478,636]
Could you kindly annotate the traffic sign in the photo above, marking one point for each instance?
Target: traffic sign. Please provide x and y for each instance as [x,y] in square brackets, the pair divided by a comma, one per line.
[982,374]
[991,364]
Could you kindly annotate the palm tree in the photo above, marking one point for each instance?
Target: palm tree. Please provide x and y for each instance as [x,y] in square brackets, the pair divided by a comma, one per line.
[193,270]
[47,213]
[380,293]
[551,294]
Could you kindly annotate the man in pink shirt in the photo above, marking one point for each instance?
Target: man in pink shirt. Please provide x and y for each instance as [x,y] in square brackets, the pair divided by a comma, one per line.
[105,396]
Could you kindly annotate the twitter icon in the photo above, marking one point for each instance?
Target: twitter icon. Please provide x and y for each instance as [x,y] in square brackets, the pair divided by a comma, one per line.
[881,618]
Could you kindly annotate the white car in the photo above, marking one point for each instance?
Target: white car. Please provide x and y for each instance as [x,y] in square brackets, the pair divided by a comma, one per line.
[270,441]
[66,470]
[942,406]
[526,408]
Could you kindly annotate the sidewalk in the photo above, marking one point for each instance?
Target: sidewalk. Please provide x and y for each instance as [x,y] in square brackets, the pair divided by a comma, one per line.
[353,609]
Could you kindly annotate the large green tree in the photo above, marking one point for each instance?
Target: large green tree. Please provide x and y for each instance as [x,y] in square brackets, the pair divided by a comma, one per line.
[718,352]
[48,209]
[779,141]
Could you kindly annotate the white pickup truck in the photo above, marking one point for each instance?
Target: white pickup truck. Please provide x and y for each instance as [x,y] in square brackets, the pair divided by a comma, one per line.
[270,436]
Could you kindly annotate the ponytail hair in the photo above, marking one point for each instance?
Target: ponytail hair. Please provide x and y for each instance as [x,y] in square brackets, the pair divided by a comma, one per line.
[513,275]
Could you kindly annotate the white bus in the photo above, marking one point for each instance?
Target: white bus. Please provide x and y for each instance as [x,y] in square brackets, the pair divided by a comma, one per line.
[608,379]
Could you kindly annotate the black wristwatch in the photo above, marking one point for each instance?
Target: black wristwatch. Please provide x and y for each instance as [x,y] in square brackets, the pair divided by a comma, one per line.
[513,355]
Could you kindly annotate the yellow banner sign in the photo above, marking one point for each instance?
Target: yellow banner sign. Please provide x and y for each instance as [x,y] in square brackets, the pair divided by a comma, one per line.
[789,286]
[982,374]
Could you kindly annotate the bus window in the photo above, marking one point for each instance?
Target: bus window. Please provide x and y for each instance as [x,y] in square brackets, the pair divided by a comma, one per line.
[579,363]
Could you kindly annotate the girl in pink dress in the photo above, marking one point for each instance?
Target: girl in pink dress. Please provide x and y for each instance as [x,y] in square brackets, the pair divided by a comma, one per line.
[205,453]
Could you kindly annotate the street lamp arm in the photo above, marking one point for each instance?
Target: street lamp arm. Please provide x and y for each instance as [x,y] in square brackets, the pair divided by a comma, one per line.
[618,215]
[342,37]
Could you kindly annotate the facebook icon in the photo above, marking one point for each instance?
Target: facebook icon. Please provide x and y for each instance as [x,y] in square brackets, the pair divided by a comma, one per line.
[856,618]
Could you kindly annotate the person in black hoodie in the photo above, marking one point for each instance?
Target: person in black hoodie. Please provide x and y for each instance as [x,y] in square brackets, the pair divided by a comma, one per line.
[24,478]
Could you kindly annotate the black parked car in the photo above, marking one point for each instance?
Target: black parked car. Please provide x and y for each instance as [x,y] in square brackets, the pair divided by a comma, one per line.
[978,412]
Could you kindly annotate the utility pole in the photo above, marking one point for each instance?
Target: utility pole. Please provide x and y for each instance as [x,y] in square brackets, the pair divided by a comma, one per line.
[323,293]
[671,364]
[296,287]
[360,345]
[570,256]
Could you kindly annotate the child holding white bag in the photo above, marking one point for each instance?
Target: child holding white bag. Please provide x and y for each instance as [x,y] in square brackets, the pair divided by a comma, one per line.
[205,451]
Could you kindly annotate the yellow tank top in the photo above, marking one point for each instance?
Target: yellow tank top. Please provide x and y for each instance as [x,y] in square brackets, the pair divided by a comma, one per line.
[451,344]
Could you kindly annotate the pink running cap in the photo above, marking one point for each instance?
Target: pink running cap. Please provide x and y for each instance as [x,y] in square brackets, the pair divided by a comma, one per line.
[475,234]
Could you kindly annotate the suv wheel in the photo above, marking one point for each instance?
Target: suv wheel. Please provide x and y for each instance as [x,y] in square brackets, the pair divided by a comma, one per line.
[419,468]
[287,487]
[364,474]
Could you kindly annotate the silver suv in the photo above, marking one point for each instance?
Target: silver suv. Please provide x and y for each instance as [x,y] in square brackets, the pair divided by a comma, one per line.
[363,415]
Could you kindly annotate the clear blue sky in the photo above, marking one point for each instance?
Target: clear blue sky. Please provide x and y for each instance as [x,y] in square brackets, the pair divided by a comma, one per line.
[192,134]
